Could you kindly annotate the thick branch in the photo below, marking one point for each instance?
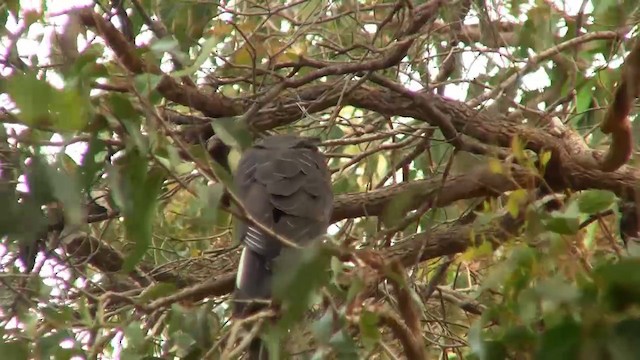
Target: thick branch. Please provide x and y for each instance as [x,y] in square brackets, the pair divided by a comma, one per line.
[616,121]
[574,164]
[478,183]
[418,248]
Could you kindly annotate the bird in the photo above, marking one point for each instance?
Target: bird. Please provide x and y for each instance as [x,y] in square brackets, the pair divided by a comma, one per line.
[284,183]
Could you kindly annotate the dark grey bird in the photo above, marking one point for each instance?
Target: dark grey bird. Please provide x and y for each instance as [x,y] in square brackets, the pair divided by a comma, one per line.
[284,183]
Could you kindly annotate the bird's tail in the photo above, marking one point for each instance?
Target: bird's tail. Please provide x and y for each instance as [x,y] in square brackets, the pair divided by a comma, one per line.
[253,282]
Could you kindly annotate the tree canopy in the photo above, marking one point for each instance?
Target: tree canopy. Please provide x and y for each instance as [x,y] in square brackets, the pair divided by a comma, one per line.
[481,156]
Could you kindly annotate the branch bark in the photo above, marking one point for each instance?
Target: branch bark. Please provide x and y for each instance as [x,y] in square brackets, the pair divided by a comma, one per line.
[200,280]
[418,248]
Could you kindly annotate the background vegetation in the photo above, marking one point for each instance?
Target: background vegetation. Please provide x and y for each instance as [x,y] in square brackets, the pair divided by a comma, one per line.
[481,210]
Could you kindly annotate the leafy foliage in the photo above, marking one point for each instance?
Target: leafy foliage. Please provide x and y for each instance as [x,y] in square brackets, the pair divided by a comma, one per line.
[473,218]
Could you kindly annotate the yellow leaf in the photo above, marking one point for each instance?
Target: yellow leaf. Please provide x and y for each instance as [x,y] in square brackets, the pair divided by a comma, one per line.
[220,29]
[228,91]
[309,8]
[495,166]
[248,26]
[545,157]
[476,252]
[299,48]
[516,198]
[274,46]
[242,56]
[518,148]
[382,168]
[68,164]
[284,57]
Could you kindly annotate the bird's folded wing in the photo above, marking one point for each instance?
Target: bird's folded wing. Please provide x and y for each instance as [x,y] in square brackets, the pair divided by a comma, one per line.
[287,189]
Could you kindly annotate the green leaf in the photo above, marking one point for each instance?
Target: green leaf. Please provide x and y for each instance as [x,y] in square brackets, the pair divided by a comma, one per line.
[205,53]
[320,354]
[182,343]
[139,221]
[526,38]
[185,20]
[345,184]
[232,132]
[136,342]
[357,285]
[272,338]
[203,324]
[397,208]
[38,182]
[309,8]
[621,271]
[146,83]
[623,342]
[135,190]
[298,273]
[595,201]
[562,224]
[48,183]
[544,22]
[4,16]
[163,45]
[13,6]
[520,337]
[28,92]
[141,141]
[560,342]
[557,290]
[121,107]
[58,316]
[323,327]
[66,189]
[123,110]
[369,330]
[42,105]
[344,346]
[15,350]
[619,283]
[92,162]
[609,14]
[48,345]
[493,350]
[86,67]
[157,290]
[208,201]
[585,95]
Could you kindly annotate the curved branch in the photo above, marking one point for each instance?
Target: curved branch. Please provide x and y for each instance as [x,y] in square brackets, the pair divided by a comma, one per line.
[214,105]
[574,165]
[616,120]
[418,248]
[477,183]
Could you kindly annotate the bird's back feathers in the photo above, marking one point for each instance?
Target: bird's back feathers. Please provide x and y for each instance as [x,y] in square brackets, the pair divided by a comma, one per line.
[284,183]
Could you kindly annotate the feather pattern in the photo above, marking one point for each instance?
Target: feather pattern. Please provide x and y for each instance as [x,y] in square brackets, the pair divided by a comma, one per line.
[284,183]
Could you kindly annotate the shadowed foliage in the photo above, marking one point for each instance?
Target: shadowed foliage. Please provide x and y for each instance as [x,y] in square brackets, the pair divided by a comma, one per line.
[482,161]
